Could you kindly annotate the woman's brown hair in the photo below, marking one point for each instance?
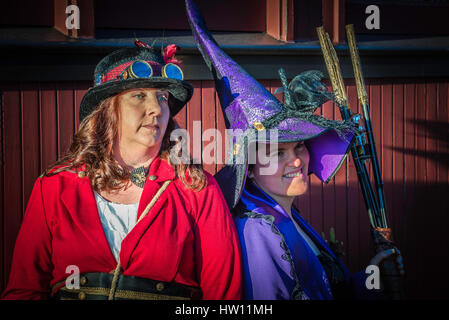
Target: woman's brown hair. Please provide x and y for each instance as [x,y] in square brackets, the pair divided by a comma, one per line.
[92,146]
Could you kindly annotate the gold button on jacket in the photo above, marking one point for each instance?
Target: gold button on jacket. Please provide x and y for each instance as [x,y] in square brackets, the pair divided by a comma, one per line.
[160,286]
[83,280]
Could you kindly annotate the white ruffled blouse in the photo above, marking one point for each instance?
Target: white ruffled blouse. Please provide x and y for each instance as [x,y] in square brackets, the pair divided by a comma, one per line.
[117,220]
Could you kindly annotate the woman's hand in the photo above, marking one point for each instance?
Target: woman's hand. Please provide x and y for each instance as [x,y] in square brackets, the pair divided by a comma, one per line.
[381,256]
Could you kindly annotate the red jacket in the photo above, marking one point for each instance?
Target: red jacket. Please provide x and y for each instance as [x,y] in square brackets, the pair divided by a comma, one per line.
[187,237]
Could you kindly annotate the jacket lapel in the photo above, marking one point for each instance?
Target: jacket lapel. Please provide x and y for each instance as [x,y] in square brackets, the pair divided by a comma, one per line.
[159,172]
[79,200]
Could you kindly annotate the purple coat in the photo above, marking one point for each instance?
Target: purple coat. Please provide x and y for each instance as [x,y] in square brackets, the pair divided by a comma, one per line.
[278,262]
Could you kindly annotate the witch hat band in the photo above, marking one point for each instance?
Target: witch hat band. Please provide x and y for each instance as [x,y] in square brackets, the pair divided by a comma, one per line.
[248,106]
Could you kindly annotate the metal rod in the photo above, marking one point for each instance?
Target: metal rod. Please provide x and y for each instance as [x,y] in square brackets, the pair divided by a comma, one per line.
[365,182]
[363,98]
[376,210]
[333,67]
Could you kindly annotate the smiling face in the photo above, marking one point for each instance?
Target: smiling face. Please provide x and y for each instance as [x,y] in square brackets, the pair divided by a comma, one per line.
[144,115]
[289,179]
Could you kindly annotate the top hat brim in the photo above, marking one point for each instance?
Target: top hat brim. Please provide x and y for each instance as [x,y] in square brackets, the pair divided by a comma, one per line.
[181,92]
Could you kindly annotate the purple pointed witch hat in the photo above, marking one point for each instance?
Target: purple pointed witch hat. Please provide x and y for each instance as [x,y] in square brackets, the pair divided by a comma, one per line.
[248,106]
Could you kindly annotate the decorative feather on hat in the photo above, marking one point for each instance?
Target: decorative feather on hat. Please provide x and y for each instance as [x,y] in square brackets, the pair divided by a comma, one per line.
[248,106]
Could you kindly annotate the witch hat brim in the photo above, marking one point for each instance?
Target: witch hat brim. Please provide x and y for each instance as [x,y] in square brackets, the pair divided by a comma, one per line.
[247,105]
[326,158]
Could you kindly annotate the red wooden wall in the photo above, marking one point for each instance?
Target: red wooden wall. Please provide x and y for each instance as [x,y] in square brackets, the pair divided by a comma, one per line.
[411,123]
[229,15]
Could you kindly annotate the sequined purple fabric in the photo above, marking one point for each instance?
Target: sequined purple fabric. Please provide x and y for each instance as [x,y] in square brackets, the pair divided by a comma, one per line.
[244,100]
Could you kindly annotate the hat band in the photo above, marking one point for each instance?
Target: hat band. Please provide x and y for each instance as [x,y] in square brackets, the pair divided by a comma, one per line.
[140,69]
[115,74]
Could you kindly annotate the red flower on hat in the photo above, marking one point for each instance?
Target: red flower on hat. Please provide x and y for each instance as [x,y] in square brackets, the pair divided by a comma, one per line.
[169,54]
[141,44]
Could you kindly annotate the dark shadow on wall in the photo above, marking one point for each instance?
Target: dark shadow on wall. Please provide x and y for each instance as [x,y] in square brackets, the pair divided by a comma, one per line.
[436,132]
[419,217]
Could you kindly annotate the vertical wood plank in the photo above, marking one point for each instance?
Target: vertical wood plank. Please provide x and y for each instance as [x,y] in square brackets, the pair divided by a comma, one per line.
[65,116]
[80,89]
[447,119]
[273,18]
[222,147]
[431,134]
[333,12]
[2,211]
[397,199]
[287,21]
[30,139]
[208,122]
[443,163]
[420,112]
[12,173]
[194,119]
[420,171]
[60,17]
[87,19]
[409,220]
[436,211]
[181,118]
[48,126]
[444,116]
[443,145]
[387,144]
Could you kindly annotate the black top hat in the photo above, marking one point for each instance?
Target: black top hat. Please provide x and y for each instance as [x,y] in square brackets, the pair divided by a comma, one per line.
[139,67]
